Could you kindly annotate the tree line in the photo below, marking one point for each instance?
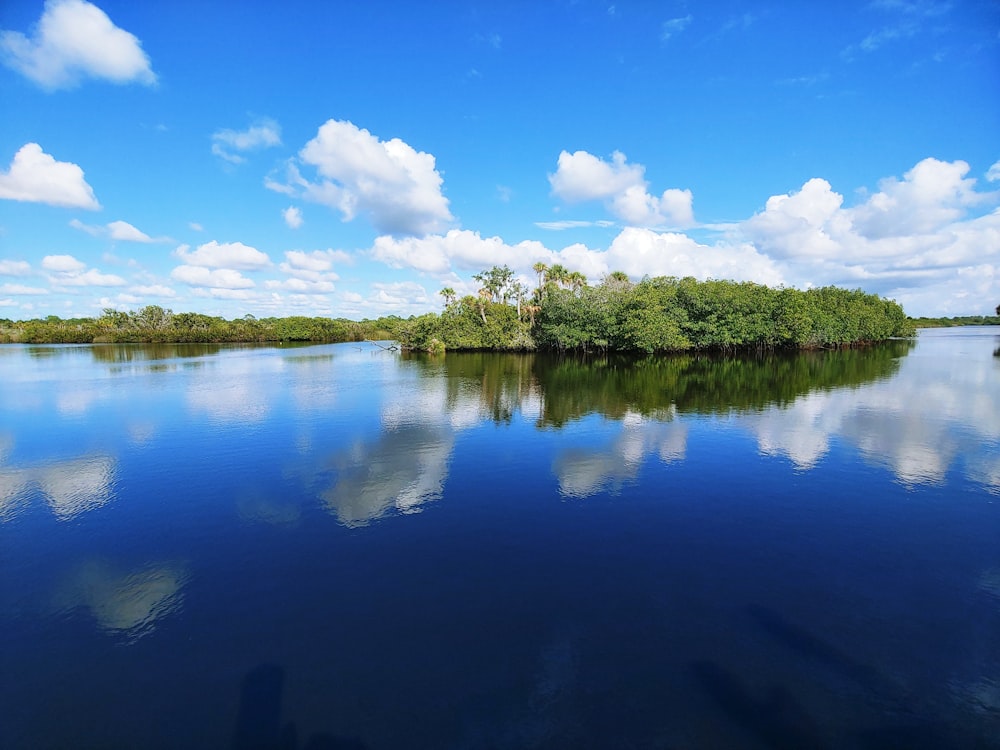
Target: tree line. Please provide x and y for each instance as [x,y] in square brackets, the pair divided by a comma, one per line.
[154,324]
[659,314]
[562,313]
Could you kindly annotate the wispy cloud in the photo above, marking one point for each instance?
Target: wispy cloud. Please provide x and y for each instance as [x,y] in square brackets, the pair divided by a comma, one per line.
[230,145]
[674,26]
[556,226]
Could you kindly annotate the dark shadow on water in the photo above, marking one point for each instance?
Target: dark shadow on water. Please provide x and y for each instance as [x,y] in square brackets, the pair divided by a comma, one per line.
[777,721]
[805,644]
[258,720]
[911,723]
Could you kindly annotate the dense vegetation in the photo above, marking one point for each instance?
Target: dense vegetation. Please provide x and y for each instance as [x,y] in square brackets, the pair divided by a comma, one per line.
[659,314]
[563,313]
[963,320]
[153,324]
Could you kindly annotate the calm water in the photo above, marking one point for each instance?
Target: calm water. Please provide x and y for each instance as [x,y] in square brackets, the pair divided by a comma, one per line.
[340,547]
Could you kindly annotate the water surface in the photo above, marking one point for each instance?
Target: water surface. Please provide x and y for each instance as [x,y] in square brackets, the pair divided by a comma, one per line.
[337,546]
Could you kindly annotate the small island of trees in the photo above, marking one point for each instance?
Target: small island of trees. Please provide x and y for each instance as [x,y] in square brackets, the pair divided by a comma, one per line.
[662,314]
[562,313]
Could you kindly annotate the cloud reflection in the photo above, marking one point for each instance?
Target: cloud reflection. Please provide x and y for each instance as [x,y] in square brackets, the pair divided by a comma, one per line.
[582,473]
[69,487]
[937,409]
[405,468]
[124,603]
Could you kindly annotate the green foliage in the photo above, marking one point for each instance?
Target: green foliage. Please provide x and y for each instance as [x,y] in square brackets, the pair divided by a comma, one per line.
[154,324]
[964,320]
[663,314]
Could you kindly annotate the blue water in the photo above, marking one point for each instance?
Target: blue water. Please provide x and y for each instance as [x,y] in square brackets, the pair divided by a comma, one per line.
[342,547]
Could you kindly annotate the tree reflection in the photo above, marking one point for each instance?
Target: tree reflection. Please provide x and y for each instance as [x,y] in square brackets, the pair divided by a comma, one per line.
[568,388]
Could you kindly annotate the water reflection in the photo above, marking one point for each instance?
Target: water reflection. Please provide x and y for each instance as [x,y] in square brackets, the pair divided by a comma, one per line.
[125,603]
[582,472]
[69,487]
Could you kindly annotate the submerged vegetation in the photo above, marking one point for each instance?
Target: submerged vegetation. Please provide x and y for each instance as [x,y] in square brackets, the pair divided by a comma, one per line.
[563,313]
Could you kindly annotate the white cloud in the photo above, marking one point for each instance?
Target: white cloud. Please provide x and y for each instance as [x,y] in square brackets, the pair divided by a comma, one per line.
[20,289]
[930,195]
[674,26]
[301,286]
[91,277]
[581,176]
[640,252]
[36,177]
[196,226]
[154,290]
[397,188]
[800,224]
[557,226]
[993,173]
[116,230]
[316,266]
[66,264]
[293,217]
[75,40]
[219,278]
[459,247]
[122,230]
[912,240]
[230,144]
[225,255]
[14,268]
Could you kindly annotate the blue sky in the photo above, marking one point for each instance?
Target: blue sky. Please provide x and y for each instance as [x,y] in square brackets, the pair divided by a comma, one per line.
[351,159]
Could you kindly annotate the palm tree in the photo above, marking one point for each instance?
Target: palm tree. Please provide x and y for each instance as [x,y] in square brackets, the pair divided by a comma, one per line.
[540,268]
[449,295]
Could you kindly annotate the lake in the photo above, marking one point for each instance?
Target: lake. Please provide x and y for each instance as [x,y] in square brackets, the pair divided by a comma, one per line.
[344,547]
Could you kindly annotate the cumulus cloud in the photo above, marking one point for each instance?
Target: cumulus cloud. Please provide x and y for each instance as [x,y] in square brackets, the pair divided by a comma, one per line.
[75,40]
[65,270]
[231,144]
[636,251]
[623,188]
[931,194]
[21,289]
[462,248]
[301,286]
[122,230]
[640,252]
[913,234]
[224,255]
[293,217]
[993,173]
[36,177]
[154,290]
[314,266]
[394,186]
[14,268]
[219,278]
[63,264]
[117,230]
[91,277]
